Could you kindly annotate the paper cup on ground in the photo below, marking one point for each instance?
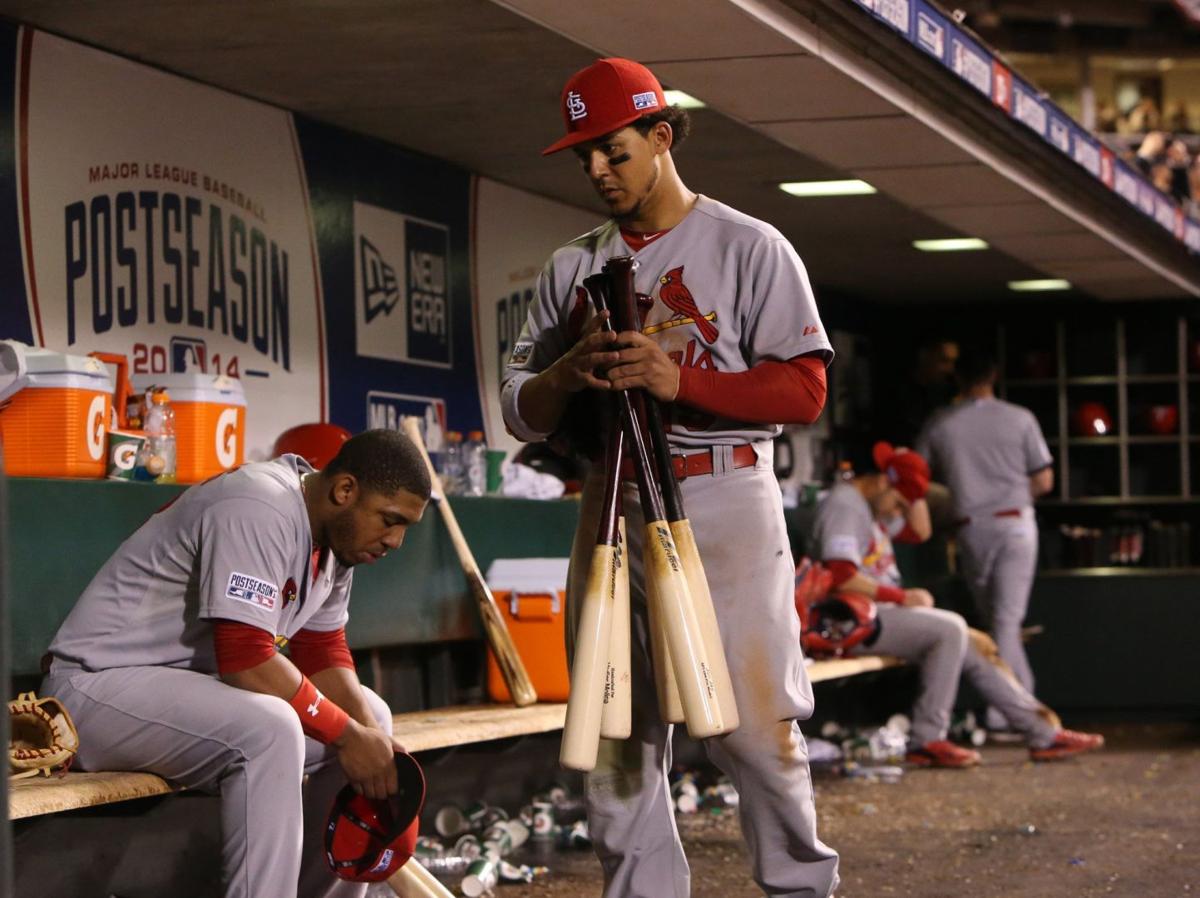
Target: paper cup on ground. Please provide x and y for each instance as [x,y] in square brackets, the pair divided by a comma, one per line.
[481,878]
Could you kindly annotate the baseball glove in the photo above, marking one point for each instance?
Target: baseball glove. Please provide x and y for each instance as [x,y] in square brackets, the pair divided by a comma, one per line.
[42,738]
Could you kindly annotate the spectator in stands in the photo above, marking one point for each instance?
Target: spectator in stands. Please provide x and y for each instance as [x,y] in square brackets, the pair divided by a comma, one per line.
[1145,117]
[852,536]
[1177,118]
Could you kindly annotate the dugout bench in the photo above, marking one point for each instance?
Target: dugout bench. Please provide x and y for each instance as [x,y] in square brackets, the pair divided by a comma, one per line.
[62,531]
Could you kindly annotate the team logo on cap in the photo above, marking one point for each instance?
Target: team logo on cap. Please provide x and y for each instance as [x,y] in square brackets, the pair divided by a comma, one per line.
[576,108]
[646,100]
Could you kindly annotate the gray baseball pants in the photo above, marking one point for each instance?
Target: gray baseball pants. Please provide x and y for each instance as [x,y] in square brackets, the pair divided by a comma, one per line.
[194,730]
[737,516]
[938,641]
[999,558]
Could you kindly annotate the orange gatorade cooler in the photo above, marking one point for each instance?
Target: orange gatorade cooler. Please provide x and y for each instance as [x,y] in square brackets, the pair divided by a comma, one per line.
[54,412]
[532,595]
[210,422]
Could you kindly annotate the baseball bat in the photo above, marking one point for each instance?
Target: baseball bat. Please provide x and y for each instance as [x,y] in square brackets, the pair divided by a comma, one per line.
[670,707]
[589,666]
[616,720]
[520,687]
[624,300]
[414,881]
[693,670]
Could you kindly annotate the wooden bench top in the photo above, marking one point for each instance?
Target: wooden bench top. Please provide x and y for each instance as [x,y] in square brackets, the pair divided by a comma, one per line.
[416,730]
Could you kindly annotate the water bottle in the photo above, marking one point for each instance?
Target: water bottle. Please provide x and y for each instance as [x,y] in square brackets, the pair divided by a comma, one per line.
[452,463]
[845,473]
[475,462]
[159,449]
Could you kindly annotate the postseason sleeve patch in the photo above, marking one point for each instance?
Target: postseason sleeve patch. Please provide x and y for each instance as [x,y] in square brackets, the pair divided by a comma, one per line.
[842,548]
[521,352]
[252,590]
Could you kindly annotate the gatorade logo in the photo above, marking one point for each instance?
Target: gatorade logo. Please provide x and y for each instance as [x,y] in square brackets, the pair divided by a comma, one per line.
[95,428]
[226,438]
[125,455]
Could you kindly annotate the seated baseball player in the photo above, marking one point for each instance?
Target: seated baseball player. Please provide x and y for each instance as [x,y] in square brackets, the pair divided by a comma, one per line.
[170,661]
[853,530]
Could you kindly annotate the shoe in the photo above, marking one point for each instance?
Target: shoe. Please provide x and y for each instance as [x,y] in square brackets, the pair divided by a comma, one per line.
[942,754]
[1067,743]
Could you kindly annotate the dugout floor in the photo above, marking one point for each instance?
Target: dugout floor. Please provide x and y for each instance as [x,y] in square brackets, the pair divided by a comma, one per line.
[1124,822]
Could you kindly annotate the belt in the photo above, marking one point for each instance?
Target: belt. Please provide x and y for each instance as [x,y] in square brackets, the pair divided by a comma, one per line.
[697,463]
[1003,513]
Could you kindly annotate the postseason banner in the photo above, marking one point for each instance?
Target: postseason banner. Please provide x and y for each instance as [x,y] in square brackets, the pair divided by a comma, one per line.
[507,262]
[167,221]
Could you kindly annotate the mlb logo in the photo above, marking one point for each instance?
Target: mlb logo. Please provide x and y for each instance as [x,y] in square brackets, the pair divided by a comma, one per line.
[646,100]
[188,355]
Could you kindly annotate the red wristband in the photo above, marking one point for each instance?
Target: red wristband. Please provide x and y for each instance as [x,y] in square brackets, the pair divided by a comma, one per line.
[893,594]
[319,717]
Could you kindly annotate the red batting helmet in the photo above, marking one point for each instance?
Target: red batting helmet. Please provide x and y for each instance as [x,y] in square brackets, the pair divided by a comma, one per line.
[1093,420]
[830,624]
[367,839]
[315,443]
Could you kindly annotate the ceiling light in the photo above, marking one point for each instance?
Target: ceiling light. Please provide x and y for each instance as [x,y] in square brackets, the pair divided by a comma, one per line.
[827,188]
[950,245]
[685,101]
[1038,286]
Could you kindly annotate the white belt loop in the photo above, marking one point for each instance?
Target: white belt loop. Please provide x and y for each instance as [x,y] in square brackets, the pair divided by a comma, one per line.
[722,460]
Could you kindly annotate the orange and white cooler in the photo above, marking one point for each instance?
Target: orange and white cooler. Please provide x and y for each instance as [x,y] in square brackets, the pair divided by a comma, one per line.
[54,412]
[532,595]
[210,422]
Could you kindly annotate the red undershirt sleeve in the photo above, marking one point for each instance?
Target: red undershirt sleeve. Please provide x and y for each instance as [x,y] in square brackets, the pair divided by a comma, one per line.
[791,392]
[313,651]
[240,646]
[841,570]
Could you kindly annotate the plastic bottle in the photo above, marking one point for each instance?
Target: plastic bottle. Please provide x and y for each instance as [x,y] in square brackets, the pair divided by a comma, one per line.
[475,462]
[159,450]
[452,463]
[845,471]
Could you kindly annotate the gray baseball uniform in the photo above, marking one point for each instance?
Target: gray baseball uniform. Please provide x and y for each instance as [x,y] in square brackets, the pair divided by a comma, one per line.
[748,285]
[985,451]
[134,663]
[846,530]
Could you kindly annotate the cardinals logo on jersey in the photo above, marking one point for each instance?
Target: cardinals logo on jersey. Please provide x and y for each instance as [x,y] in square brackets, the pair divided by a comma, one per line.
[289,592]
[678,298]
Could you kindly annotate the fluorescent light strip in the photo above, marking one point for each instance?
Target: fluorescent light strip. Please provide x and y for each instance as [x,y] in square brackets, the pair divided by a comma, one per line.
[827,188]
[1039,286]
[950,245]
[682,100]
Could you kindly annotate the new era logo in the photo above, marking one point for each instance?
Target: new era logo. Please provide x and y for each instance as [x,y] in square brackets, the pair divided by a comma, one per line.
[379,288]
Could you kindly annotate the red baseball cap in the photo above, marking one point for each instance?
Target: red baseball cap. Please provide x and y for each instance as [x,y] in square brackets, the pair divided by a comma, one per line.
[606,96]
[906,470]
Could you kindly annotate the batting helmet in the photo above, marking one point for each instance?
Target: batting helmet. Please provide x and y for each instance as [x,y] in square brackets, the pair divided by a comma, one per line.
[315,443]
[367,839]
[1093,420]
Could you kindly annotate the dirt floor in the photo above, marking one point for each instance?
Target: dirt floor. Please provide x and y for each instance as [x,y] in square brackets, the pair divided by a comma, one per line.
[1123,822]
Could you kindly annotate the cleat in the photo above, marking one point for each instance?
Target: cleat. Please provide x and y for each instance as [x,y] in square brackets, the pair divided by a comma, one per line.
[1066,744]
[942,754]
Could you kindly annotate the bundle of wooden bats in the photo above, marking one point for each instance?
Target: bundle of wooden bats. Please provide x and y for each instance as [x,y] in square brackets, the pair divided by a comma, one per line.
[691,675]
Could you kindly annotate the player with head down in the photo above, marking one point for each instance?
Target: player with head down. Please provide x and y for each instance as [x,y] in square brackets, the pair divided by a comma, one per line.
[852,535]
[169,661]
[731,343]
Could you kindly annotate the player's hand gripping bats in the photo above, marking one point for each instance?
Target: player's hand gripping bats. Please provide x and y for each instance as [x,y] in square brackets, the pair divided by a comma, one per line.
[600,666]
[698,663]
[515,675]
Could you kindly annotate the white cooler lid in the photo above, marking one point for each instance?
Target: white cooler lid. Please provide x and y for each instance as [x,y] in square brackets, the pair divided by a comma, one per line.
[193,386]
[529,575]
[22,365]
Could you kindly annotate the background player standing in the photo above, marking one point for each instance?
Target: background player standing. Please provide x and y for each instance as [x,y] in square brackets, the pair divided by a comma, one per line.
[168,661]
[732,342]
[993,457]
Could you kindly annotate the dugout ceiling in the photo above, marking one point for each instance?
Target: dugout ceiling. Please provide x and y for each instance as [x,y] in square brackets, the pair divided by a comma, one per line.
[796,90]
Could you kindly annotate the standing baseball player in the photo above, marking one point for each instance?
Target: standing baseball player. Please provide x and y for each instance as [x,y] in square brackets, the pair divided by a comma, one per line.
[853,534]
[993,457]
[732,344]
[168,661]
